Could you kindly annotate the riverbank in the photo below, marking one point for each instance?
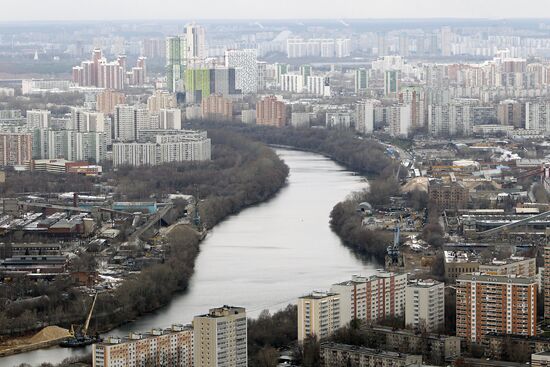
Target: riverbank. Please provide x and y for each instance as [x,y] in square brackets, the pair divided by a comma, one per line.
[242,173]
[364,156]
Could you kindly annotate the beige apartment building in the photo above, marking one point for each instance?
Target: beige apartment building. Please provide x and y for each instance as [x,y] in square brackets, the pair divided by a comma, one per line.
[220,338]
[318,315]
[169,347]
[495,304]
[371,298]
[425,305]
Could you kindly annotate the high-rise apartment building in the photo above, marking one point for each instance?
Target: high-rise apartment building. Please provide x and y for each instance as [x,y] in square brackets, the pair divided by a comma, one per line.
[415,97]
[425,305]
[200,83]
[176,63]
[272,112]
[391,83]
[170,119]
[306,71]
[83,120]
[38,119]
[452,119]
[361,79]
[446,41]
[245,64]
[319,315]
[382,44]
[217,108]
[293,83]
[163,146]
[537,116]
[403,44]
[108,99]
[318,86]
[161,100]
[128,121]
[372,298]
[70,145]
[154,48]
[320,47]
[509,113]
[169,347]
[546,282]
[495,304]
[262,75]
[98,72]
[364,119]
[15,148]
[220,338]
[399,118]
[196,43]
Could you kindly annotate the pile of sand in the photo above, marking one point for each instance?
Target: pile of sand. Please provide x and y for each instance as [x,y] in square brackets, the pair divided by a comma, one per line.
[49,333]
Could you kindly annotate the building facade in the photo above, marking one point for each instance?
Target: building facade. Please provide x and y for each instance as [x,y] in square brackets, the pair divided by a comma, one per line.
[245,64]
[15,148]
[373,298]
[272,112]
[425,305]
[170,347]
[319,315]
[220,338]
[163,146]
[495,304]
[342,355]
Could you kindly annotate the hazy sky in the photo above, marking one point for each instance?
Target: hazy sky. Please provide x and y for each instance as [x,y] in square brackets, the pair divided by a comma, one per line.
[14,10]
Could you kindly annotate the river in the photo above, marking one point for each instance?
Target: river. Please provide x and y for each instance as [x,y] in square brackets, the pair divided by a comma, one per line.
[264,257]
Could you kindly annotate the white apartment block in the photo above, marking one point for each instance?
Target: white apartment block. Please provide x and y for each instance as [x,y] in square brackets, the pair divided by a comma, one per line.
[220,338]
[372,298]
[161,100]
[69,144]
[416,98]
[453,119]
[128,121]
[293,83]
[83,120]
[319,315]
[298,47]
[245,64]
[364,120]
[38,119]
[425,305]
[318,86]
[170,119]
[537,116]
[170,347]
[163,146]
[400,123]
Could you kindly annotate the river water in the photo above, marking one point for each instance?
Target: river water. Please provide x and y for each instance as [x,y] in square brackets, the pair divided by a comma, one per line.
[263,258]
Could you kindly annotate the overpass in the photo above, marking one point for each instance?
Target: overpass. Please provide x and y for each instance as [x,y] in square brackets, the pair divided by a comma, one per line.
[513,224]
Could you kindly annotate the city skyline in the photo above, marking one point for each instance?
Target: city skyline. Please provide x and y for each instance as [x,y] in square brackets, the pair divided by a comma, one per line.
[62,10]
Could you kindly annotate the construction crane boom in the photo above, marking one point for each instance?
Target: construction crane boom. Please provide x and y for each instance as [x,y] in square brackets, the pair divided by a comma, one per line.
[87,323]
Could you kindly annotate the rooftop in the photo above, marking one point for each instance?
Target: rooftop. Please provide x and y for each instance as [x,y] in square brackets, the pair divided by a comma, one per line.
[176,328]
